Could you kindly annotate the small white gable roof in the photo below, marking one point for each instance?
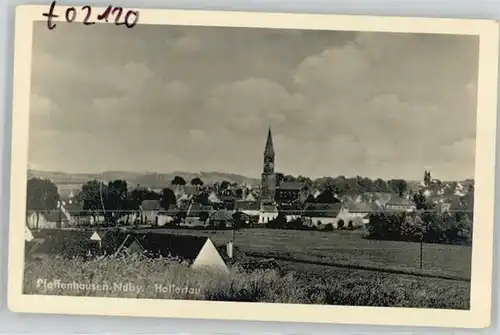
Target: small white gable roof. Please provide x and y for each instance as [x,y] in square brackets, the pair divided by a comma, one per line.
[95,237]
[250,197]
[28,236]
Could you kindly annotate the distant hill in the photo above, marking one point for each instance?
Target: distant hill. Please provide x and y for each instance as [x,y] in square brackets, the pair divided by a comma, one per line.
[153,180]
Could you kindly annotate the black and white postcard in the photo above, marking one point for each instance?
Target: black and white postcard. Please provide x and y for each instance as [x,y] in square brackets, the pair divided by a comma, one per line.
[253,166]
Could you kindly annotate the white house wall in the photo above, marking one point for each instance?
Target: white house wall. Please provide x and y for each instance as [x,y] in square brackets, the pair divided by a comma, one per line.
[31,222]
[324,221]
[164,219]
[266,217]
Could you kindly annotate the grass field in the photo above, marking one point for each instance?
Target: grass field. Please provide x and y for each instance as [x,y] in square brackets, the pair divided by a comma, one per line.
[346,248]
[310,284]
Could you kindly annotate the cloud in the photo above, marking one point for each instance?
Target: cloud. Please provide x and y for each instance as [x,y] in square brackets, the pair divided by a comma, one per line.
[374,104]
[187,44]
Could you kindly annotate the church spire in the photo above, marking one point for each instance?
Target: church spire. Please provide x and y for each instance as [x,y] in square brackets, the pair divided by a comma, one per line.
[269,151]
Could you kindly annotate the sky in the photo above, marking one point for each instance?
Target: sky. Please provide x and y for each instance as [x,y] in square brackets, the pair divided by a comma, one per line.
[169,98]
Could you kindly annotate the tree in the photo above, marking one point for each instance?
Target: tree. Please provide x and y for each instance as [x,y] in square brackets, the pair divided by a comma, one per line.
[196,181]
[178,180]
[380,185]
[279,222]
[280,177]
[42,195]
[427,178]
[288,177]
[167,198]
[136,197]
[116,200]
[224,185]
[304,180]
[421,201]
[94,194]
[202,199]
[398,186]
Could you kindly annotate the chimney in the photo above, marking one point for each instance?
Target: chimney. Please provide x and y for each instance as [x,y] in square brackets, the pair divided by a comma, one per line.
[229,249]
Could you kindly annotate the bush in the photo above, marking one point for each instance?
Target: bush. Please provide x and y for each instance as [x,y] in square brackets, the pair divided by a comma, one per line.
[429,227]
[340,224]
[328,227]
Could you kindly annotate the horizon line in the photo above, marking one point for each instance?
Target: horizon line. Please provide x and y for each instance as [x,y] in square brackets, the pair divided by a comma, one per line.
[237,174]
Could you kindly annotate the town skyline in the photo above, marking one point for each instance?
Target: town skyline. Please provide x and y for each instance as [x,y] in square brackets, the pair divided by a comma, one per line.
[197,103]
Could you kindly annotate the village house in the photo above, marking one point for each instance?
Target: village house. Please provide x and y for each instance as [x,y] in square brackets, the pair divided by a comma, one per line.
[379,199]
[360,210]
[149,210]
[215,200]
[292,214]
[289,192]
[400,204]
[249,197]
[166,217]
[250,208]
[221,218]
[28,235]
[54,218]
[268,212]
[197,215]
[322,214]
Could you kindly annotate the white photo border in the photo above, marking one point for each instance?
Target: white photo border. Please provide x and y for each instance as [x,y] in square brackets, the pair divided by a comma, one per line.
[479,315]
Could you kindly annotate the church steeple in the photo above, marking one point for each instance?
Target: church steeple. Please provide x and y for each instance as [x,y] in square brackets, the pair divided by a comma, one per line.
[269,150]
[268,181]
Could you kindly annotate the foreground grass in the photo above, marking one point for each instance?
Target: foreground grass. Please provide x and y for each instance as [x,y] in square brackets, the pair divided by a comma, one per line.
[345,247]
[306,285]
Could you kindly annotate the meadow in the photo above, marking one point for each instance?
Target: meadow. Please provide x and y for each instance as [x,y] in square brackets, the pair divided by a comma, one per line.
[346,249]
[310,284]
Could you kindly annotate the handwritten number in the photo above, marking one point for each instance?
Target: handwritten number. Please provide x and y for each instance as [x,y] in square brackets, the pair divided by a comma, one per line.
[70,17]
[117,16]
[50,15]
[130,19]
[127,16]
[105,15]
[86,19]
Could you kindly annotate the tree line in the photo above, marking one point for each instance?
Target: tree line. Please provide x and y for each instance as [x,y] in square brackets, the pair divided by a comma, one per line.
[424,226]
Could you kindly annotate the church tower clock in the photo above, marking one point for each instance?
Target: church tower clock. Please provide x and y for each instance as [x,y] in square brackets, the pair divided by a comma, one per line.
[268,181]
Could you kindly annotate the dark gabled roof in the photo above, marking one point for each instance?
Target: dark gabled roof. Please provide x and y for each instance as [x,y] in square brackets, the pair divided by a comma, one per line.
[172,211]
[269,208]
[399,201]
[247,206]
[322,210]
[221,215]
[66,243]
[55,215]
[358,207]
[150,205]
[381,196]
[196,209]
[228,198]
[238,255]
[185,247]
[291,185]
[292,211]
